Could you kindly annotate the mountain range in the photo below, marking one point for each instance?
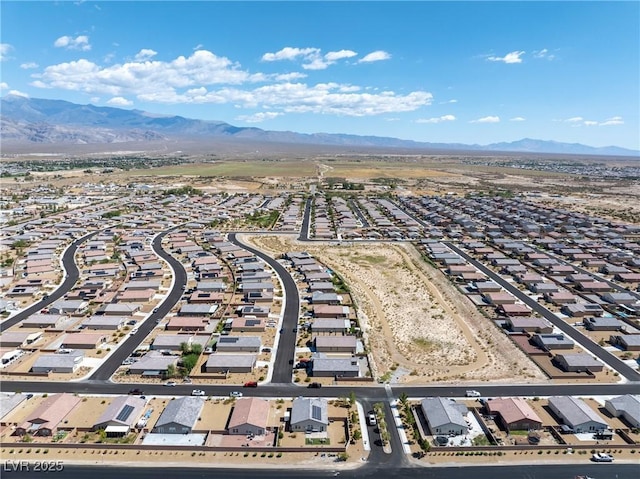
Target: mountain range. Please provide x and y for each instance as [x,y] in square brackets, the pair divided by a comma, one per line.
[42,121]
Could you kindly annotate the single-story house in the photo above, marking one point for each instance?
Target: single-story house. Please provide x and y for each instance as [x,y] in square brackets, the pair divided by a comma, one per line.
[236,344]
[335,326]
[188,323]
[514,414]
[529,324]
[120,416]
[83,340]
[336,344]
[180,416]
[198,309]
[444,416]
[45,419]
[552,341]
[74,306]
[580,310]
[57,363]
[309,415]
[606,323]
[248,323]
[232,363]
[250,416]
[17,339]
[153,365]
[578,362]
[173,342]
[626,407]
[335,367]
[628,342]
[119,309]
[331,311]
[105,323]
[576,414]
[43,321]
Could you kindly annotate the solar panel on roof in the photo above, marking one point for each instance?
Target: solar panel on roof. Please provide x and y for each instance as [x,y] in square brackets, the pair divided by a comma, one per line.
[252,322]
[316,413]
[124,413]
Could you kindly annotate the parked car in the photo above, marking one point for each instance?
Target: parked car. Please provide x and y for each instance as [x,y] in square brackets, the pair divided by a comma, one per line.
[601,457]
[472,393]
[198,392]
[251,384]
[371,419]
[314,385]
[235,394]
[136,391]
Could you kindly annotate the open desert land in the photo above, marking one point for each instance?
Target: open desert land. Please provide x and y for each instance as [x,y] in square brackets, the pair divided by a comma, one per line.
[418,326]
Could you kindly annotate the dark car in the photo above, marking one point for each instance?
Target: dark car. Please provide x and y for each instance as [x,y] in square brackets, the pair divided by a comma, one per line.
[136,391]
[314,385]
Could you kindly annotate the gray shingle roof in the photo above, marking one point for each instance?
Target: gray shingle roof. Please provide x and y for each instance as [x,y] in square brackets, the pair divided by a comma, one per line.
[183,411]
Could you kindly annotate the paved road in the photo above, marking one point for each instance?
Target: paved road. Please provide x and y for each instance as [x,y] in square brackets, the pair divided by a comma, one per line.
[371,394]
[356,209]
[101,470]
[72,275]
[285,355]
[306,221]
[109,366]
[605,356]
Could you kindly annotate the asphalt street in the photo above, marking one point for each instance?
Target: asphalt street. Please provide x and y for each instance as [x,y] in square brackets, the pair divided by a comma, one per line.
[306,221]
[128,346]
[285,354]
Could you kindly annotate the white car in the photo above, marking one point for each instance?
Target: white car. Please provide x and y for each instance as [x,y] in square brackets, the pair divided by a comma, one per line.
[170,384]
[601,457]
[472,393]
[235,394]
[198,392]
[371,418]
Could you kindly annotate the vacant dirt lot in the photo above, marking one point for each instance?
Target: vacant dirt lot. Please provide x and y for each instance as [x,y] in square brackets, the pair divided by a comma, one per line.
[418,326]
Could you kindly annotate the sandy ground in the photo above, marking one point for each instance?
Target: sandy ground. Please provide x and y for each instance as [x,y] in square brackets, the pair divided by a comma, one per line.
[418,326]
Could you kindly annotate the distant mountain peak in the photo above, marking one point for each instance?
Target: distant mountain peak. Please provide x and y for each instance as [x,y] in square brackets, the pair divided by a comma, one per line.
[61,120]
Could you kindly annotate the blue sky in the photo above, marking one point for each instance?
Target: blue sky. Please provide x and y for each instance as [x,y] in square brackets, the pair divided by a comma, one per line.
[469,72]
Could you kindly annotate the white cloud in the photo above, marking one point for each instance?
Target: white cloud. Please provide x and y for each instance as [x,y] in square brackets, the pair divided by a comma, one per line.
[580,121]
[81,42]
[448,101]
[198,47]
[290,76]
[487,119]
[511,57]
[376,56]
[204,77]
[5,49]
[4,86]
[18,93]
[339,55]
[29,65]
[517,118]
[616,120]
[259,117]
[438,119]
[145,54]
[316,64]
[290,53]
[119,101]
[544,53]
